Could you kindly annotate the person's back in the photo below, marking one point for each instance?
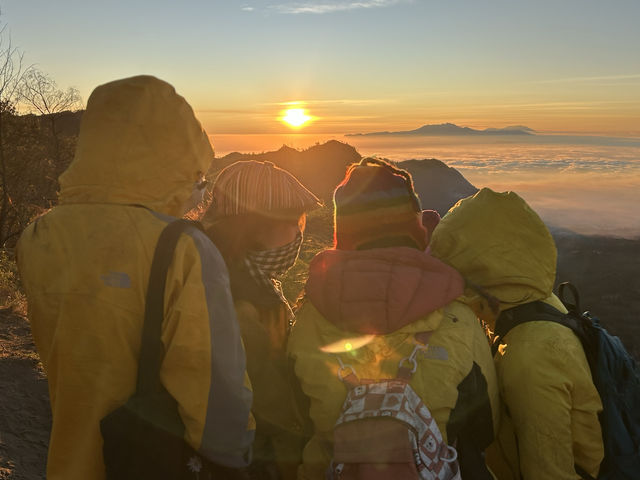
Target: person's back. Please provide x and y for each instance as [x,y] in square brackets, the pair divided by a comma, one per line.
[371,301]
[550,419]
[85,268]
[257,219]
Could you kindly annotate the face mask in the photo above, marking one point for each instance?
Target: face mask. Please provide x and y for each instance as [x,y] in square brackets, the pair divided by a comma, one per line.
[274,262]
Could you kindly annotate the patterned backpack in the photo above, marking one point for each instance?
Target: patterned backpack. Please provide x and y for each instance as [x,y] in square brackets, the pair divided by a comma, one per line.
[385,431]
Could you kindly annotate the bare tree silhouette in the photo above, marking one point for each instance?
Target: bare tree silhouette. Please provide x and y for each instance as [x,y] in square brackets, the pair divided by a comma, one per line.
[11,73]
[40,94]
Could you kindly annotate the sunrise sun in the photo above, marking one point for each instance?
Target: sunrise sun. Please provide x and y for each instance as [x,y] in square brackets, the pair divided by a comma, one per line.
[295,117]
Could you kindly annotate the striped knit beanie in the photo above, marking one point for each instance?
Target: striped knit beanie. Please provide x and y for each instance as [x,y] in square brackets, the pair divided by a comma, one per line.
[376,206]
[259,187]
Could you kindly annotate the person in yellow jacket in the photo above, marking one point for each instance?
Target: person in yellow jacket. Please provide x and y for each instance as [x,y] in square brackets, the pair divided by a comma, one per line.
[370,299]
[85,266]
[550,419]
[257,219]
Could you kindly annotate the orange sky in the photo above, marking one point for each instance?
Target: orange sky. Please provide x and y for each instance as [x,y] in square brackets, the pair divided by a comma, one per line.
[597,118]
[356,66]
[599,106]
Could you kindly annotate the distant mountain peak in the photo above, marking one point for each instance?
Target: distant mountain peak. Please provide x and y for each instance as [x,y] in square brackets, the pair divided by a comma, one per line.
[286,148]
[451,129]
[322,166]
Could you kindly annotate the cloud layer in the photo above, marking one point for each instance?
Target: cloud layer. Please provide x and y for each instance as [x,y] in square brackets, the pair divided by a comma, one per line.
[587,188]
[297,8]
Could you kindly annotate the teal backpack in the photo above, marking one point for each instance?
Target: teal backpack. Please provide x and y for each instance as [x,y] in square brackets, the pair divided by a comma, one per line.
[615,375]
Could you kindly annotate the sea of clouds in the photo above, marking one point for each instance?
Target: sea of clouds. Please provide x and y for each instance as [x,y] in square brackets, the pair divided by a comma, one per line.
[590,189]
[590,185]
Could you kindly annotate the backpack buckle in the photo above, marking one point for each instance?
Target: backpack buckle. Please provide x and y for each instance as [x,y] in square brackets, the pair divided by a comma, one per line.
[344,371]
[411,359]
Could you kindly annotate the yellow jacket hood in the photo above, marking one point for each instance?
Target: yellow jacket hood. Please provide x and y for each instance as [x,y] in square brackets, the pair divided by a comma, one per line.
[549,421]
[496,241]
[139,143]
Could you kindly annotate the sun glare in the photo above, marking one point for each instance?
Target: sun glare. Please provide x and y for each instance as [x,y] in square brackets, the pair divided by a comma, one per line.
[296,117]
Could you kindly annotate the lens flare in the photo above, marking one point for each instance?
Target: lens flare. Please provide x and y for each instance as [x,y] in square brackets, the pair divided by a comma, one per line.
[348,344]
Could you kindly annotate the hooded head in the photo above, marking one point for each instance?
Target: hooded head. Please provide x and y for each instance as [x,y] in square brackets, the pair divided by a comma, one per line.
[139,143]
[376,206]
[497,242]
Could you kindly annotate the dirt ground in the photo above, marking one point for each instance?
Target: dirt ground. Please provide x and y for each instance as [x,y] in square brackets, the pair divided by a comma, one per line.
[25,419]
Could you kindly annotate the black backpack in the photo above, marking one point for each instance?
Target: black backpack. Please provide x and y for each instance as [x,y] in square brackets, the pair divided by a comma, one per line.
[144,438]
[615,375]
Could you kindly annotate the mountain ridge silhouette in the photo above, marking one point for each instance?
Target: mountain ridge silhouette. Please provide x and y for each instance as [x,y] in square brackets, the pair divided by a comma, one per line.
[444,129]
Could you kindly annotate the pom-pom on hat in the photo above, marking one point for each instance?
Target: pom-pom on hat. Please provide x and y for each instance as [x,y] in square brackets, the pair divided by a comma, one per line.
[259,187]
[376,206]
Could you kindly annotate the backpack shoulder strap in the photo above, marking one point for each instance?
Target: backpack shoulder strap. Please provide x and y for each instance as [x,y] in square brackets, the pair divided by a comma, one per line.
[151,349]
[532,312]
[573,305]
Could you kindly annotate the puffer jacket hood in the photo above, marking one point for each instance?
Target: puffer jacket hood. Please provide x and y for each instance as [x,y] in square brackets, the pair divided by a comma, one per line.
[381,290]
[483,237]
[139,143]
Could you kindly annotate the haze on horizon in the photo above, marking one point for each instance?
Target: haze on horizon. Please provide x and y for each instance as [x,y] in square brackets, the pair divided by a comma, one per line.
[570,66]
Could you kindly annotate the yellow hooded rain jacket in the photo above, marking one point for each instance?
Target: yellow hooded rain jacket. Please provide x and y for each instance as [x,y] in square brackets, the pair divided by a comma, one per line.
[85,268]
[550,405]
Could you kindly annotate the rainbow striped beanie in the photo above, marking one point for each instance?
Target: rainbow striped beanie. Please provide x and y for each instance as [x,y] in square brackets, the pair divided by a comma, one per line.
[376,206]
[259,187]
